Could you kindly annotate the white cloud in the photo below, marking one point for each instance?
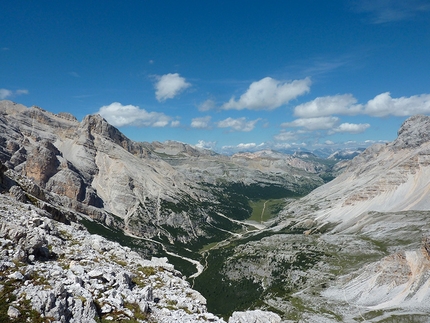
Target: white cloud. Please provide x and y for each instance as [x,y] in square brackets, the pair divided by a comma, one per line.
[21,92]
[129,115]
[169,85]
[247,146]
[206,144]
[286,136]
[328,105]
[381,105]
[321,123]
[268,94]
[201,123]
[207,105]
[329,142]
[240,124]
[384,105]
[175,123]
[5,93]
[352,128]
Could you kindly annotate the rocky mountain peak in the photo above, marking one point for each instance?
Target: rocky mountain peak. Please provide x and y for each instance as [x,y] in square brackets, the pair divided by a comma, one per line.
[414,132]
[95,124]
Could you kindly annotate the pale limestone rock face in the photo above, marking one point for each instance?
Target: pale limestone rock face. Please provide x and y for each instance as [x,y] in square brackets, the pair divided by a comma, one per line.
[42,163]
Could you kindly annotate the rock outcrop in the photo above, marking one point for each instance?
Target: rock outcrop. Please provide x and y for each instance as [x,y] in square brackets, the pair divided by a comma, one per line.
[61,273]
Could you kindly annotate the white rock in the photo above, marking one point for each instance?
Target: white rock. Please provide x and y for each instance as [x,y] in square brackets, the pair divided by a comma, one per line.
[95,273]
[106,308]
[256,316]
[16,275]
[13,312]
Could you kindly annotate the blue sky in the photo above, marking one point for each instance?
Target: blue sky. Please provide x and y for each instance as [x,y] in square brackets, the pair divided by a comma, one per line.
[227,75]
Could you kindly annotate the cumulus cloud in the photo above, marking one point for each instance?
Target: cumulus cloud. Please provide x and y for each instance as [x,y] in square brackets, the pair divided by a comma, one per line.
[129,115]
[268,94]
[169,85]
[328,105]
[240,124]
[201,123]
[320,123]
[286,136]
[381,105]
[206,144]
[384,105]
[351,128]
[207,105]
[5,93]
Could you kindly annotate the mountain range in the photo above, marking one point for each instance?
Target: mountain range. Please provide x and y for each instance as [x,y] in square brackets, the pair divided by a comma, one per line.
[292,237]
